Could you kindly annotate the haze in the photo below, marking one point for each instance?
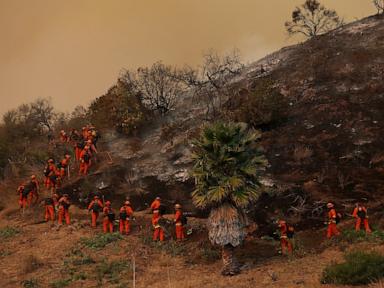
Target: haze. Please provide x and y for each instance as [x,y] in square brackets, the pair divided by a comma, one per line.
[73,50]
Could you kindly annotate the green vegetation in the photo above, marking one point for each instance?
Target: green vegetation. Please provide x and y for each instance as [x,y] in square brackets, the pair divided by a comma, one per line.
[110,271]
[265,105]
[227,161]
[100,240]
[31,283]
[359,268]
[61,283]
[353,236]
[8,232]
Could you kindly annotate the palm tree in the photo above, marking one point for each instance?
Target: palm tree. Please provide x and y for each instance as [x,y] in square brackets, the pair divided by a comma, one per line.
[227,159]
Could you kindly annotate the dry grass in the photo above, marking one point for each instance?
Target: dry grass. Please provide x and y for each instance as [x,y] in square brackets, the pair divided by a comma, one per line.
[302,153]
[31,263]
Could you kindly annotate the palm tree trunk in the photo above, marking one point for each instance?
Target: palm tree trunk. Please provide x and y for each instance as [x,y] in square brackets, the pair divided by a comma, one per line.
[230,264]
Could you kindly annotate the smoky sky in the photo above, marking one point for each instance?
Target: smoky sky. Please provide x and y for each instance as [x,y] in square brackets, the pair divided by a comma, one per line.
[72,51]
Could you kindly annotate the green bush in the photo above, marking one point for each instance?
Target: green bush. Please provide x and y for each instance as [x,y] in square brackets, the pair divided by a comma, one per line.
[359,268]
[353,236]
[8,232]
[112,270]
[31,283]
[61,283]
[100,240]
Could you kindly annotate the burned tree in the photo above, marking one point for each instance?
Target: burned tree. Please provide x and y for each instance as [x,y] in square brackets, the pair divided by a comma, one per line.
[379,4]
[312,19]
[210,82]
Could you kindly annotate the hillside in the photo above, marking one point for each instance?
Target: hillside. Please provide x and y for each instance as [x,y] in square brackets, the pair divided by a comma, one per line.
[326,145]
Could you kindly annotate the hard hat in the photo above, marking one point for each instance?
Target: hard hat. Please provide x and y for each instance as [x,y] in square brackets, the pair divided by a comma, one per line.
[67,156]
[96,197]
[158,198]
[62,131]
[50,161]
[330,205]
[65,195]
[86,147]
[89,141]
[55,195]
[177,206]
[108,203]
[127,203]
[33,177]
[83,128]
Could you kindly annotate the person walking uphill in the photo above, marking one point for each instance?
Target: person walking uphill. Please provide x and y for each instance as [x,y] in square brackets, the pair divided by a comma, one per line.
[49,207]
[158,232]
[23,191]
[34,195]
[96,206]
[64,204]
[285,235]
[179,223]
[85,160]
[126,213]
[332,221]
[360,213]
[109,217]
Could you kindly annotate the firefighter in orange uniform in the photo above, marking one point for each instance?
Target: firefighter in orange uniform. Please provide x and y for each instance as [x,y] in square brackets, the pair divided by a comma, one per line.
[35,190]
[23,192]
[286,245]
[360,213]
[64,204]
[85,160]
[179,222]
[49,171]
[109,217]
[49,205]
[64,165]
[126,213]
[332,219]
[95,207]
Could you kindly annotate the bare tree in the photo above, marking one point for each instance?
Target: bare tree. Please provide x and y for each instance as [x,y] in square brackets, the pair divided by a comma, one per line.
[379,4]
[212,79]
[42,113]
[312,19]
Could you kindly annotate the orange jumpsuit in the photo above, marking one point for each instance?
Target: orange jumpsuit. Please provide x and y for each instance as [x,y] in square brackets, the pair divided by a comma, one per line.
[107,222]
[64,164]
[22,196]
[360,213]
[49,205]
[286,245]
[63,211]
[63,137]
[158,232]
[52,170]
[84,163]
[332,228]
[125,213]
[179,225]
[95,206]
[34,192]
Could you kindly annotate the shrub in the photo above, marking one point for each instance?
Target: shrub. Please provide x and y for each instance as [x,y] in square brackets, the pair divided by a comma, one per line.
[353,236]
[100,240]
[111,270]
[359,268]
[30,283]
[61,283]
[8,232]
[263,106]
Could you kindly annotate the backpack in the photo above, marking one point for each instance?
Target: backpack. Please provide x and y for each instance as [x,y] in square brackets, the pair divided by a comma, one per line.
[96,207]
[111,216]
[162,210]
[26,191]
[80,145]
[338,218]
[86,157]
[361,214]
[65,205]
[47,171]
[184,220]
[290,231]
[48,201]
[123,215]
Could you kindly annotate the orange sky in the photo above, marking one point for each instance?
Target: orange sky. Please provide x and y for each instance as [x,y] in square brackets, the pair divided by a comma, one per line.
[73,50]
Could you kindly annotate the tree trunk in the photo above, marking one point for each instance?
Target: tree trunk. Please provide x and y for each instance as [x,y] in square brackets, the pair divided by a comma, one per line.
[231,266]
